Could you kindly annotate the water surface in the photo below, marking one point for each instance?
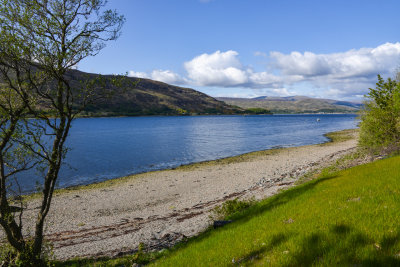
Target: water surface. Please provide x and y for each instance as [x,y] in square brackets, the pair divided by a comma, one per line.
[105,148]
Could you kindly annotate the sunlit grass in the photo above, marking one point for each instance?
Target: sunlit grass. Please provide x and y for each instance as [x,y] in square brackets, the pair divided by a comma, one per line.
[341,136]
[345,218]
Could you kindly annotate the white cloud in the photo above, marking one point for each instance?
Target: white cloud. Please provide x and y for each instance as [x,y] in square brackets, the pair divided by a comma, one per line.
[224,69]
[139,74]
[300,64]
[346,74]
[263,79]
[217,69]
[334,93]
[353,63]
[283,92]
[167,76]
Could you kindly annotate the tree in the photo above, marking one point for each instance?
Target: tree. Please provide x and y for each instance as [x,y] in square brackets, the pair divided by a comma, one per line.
[41,40]
[380,118]
[14,158]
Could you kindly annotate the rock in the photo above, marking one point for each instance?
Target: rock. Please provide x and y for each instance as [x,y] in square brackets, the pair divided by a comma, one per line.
[289,221]
[218,224]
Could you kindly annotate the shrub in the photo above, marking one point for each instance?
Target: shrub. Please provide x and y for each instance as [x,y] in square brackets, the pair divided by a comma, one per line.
[231,207]
[9,256]
[380,118]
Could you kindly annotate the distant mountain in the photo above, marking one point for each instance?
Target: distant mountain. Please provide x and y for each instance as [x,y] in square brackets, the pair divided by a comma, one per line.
[147,97]
[348,104]
[294,104]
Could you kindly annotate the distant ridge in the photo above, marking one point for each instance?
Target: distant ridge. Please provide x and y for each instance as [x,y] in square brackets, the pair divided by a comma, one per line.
[294,104]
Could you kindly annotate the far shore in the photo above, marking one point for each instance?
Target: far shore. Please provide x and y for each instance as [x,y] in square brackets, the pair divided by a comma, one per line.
[196,115]
[160,208]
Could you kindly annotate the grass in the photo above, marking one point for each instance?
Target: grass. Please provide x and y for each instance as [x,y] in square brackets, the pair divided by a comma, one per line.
[341,136]
[231,207]
[101,262]
[235,159]
[342,218]
[140,258]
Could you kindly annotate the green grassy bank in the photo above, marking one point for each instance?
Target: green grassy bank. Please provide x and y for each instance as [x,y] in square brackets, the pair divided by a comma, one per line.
[345,218]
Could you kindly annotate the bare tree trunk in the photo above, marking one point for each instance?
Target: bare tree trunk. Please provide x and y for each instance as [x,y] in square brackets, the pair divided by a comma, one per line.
[50,181]
[47,194]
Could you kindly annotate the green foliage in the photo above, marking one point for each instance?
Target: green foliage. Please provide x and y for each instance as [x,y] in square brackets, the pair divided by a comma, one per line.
[141,257]
[181,111]
[231,207]
[258,111]
[380,118]
[341,136]
[9,256]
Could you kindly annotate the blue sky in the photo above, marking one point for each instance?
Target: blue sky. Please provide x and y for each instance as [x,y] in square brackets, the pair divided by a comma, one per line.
[248,48]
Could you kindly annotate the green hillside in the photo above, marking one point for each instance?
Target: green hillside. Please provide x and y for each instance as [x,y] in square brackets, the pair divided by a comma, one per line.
[294,104]
[113,95]
[147,97]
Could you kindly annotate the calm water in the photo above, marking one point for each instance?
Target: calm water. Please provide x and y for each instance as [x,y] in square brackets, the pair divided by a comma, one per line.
[105,148]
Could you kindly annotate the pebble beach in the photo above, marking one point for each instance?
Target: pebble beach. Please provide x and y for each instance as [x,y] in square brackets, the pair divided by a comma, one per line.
[162,208]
